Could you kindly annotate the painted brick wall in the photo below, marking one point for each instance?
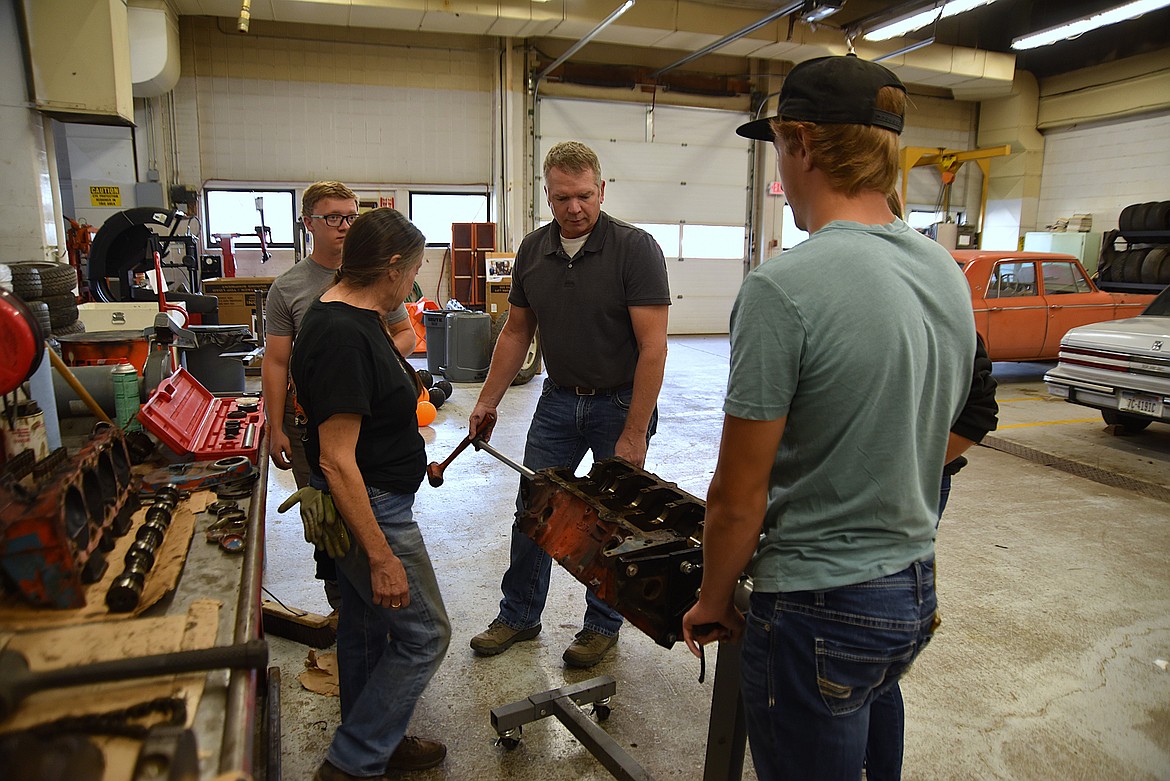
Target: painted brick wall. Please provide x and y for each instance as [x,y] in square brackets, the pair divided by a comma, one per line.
[1102,169]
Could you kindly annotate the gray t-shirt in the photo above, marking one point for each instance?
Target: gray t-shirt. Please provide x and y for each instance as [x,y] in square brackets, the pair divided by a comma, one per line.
[292,293]
[582,303]
[863,336]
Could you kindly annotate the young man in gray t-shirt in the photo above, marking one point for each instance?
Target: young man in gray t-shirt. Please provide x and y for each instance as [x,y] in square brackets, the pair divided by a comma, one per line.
[327,211]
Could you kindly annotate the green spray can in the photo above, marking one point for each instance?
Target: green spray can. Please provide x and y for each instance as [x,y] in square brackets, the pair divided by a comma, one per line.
[126,397]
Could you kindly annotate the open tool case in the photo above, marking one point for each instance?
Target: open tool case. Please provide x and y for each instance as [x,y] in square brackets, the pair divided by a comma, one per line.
[188,418]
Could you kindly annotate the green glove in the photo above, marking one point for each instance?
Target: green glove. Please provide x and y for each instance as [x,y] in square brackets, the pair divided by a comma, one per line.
[323,528]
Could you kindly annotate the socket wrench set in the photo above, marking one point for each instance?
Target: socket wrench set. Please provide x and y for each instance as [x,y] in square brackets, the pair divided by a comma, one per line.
[189,419]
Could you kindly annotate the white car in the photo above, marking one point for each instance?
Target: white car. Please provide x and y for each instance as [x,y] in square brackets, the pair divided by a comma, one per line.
[1121,367]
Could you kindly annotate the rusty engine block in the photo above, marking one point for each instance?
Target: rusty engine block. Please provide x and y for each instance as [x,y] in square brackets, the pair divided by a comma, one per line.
[633,539]
[60,517]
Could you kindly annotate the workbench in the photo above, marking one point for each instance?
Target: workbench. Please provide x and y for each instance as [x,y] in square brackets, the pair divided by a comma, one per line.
[231,722]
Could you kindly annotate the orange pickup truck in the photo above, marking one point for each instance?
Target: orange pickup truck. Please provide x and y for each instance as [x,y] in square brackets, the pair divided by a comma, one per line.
[1025,302]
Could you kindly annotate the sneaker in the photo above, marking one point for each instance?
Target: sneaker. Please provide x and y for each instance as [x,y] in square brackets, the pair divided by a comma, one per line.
[588,648]
[330,772]
[416,754]
[499,637]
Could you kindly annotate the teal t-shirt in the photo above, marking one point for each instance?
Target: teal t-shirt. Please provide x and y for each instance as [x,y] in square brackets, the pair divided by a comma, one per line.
[863,337]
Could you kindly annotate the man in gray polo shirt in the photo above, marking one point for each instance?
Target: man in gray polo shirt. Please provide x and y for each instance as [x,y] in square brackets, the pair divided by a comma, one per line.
[327,210]
[597,288]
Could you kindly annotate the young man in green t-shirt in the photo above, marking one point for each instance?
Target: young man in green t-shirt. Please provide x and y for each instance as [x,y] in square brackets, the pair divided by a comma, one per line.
[851,356]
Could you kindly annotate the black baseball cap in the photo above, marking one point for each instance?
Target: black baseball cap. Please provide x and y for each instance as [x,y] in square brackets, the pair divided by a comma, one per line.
[831,91]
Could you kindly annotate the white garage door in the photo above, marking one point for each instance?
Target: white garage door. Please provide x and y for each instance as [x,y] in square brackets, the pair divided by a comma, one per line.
[680,173]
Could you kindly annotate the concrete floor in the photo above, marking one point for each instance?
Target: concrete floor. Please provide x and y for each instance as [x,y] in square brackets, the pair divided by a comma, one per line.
[1053,589]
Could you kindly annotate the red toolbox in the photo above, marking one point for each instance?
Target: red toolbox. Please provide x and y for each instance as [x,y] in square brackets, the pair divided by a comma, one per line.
[188,418]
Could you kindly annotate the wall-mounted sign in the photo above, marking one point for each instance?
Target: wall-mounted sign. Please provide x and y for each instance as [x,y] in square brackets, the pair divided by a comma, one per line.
[775,188]
[106,196]
[386,201]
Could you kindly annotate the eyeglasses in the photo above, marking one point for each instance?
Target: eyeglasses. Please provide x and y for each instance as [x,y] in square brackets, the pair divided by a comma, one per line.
[334,220]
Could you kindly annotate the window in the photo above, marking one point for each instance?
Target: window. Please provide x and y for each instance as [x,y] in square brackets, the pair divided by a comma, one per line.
[790,235]
[713,241]
[921,220]
[668,236]
[1061,278]
[238,212]
[433,213]
[1012,280]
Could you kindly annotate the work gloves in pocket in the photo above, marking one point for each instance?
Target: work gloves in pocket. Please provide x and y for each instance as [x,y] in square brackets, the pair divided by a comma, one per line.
[323,526]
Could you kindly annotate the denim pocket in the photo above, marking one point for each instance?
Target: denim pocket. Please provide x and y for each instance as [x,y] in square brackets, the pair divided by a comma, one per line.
[622,399]
[547,389]
[847,674]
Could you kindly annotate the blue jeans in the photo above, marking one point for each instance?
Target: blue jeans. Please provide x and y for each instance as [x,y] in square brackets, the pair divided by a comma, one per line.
[813,662]
[564,427]
[887,715]
[385,657]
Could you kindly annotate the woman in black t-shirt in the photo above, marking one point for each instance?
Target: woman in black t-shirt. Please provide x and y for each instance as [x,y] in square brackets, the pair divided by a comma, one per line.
[363,445]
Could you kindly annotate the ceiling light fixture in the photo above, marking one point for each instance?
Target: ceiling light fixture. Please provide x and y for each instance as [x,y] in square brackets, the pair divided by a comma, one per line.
[883,30]
[1083,25]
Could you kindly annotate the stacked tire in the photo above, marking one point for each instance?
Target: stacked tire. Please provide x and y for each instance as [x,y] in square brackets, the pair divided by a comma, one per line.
[47,288]
[1138,252]
[1144,218]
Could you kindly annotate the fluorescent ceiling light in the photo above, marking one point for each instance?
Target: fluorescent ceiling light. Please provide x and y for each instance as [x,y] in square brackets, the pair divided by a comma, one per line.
[908,23]
[1080,26]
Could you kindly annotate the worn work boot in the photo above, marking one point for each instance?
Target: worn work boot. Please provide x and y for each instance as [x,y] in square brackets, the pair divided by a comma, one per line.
[588,648]
[416,754]
[499,637]
[330,772]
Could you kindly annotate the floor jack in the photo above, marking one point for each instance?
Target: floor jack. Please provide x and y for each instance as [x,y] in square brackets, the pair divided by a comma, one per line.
[636,542]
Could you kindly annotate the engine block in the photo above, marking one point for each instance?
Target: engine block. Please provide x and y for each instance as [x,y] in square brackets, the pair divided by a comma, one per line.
[60,519]
[633,539]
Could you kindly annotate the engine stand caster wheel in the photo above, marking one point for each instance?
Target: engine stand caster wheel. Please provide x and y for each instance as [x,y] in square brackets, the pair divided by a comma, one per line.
[601,709]
[510,739]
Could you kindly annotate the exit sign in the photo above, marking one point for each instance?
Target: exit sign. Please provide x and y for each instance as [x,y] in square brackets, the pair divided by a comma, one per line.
[775,188]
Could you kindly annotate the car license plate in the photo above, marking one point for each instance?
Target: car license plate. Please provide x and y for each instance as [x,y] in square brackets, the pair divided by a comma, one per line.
[1141,403]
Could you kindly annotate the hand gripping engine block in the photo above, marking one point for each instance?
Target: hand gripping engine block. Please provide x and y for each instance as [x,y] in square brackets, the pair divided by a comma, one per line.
[54,535]
[633,539]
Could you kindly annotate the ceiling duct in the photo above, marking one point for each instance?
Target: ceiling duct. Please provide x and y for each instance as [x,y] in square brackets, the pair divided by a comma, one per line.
[735,36]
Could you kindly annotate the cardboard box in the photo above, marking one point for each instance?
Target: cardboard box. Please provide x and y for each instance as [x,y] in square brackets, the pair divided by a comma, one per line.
[237,298]
[497,295]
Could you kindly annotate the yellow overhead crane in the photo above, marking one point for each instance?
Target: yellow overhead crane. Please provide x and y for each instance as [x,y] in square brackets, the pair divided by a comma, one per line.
[948,162]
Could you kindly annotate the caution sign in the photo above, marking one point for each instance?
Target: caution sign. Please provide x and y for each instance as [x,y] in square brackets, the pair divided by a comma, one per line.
[105,196]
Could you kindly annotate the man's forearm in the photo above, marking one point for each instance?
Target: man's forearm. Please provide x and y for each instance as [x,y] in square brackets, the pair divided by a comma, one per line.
[647,384]
[274,384]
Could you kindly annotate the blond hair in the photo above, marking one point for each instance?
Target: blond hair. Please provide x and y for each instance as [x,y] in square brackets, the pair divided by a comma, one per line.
[855,158]
[319,191]
[572,157]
